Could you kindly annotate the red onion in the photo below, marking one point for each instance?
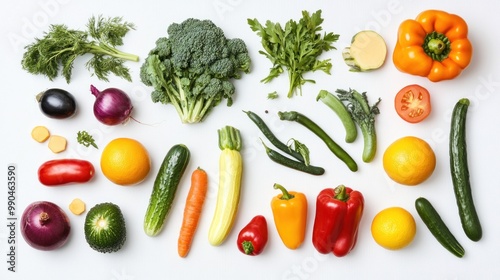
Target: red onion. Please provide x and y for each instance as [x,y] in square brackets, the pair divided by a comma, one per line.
[45,226]
[112,106]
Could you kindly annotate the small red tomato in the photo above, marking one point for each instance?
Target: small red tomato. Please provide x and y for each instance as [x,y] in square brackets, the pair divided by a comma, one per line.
[64,171]
[253,237]
[413,103]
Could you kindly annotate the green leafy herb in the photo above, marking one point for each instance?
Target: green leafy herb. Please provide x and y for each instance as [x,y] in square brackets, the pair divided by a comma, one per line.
[84,138]
[295,48]
[60,47]
[272,95]
[300,148]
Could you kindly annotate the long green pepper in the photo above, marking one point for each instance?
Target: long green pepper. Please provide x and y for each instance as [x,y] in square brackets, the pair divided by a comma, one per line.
[316,129]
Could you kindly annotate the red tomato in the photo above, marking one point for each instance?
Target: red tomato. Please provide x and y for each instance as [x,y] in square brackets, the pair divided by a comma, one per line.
[413,103]
[64,171]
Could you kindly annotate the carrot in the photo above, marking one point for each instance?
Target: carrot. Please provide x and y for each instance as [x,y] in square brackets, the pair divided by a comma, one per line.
[192,210]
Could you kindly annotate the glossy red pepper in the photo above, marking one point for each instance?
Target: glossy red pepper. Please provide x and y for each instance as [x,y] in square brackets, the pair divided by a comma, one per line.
[64,171]
[338,213]
[253,237]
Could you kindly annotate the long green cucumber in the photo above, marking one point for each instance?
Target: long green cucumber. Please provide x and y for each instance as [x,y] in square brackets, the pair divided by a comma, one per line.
[460,172]
[165,187]
[437,227]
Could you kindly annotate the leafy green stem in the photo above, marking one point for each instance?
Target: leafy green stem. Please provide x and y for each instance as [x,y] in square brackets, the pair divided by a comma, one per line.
[106,49]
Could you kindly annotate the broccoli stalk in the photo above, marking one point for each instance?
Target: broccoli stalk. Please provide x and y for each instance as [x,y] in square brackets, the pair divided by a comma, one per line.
[193,67]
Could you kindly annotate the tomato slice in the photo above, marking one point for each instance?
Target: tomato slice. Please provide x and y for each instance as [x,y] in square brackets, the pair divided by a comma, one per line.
[413,103]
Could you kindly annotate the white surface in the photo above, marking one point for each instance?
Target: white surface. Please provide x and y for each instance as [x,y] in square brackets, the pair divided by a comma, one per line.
[144,257]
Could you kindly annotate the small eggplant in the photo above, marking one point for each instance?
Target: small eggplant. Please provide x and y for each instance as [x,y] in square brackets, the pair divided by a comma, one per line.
[56,103]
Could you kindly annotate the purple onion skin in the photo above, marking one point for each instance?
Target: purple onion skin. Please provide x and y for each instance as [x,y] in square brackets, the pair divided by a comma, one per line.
[45,226]
[112,106]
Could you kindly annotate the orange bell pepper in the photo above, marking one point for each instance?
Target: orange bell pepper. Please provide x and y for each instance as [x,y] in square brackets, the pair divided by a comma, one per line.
[434,45]
[290,216]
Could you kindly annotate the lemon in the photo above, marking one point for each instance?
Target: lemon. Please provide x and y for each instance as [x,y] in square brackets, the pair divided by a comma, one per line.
[409,161]
[393,228]
[125,161]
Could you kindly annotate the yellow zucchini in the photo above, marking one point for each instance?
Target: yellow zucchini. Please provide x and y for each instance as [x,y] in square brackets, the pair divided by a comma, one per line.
[228,196]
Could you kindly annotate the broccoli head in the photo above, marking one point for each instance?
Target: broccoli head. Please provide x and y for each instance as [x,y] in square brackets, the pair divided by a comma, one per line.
[193,67]
[239,54]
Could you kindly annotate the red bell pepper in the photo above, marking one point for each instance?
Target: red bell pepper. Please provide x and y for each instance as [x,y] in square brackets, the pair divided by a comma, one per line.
[253,237]
[64,171]
[338,213]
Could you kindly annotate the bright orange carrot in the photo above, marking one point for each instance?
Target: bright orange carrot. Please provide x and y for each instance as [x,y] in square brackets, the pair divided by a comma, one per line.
[192,210]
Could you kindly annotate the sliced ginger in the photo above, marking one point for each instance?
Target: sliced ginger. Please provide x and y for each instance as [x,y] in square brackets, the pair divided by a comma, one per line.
[77,206]
[57,143]
[40,134]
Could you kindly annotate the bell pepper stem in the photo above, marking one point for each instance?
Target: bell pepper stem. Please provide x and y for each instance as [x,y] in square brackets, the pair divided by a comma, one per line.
[341,194]
[437,46]
[247,247]
[286,195]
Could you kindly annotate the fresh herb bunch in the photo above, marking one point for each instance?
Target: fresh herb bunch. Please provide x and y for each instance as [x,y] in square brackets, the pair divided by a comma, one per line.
[61,46]
[84,138]
[296,48]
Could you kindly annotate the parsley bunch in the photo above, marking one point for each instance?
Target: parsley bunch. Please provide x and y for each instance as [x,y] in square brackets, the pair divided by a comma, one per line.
[61,46]
[296,48]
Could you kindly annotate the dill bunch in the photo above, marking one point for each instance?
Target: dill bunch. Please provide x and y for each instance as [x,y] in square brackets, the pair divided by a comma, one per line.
[56,52]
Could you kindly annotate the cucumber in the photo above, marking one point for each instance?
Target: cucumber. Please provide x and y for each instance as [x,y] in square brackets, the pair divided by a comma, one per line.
[460,172]
[437,227]
[165,187]
[104,228]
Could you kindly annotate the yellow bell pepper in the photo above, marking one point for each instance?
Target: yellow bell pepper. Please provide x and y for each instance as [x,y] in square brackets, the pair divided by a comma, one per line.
[434,45]
[290,216]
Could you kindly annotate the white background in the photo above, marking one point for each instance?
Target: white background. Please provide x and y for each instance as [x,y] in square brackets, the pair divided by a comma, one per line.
[145,257]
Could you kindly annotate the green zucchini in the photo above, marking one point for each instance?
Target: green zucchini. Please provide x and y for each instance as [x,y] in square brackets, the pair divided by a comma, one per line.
[104,228]
[437,227]
[460,172]
[165,187]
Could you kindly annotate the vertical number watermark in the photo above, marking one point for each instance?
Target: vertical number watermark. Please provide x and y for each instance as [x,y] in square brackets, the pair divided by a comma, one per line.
[11,220]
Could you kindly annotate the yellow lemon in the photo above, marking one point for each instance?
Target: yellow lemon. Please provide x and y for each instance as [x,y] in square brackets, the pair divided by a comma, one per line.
[409,161]
[393,228]
[125,161]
